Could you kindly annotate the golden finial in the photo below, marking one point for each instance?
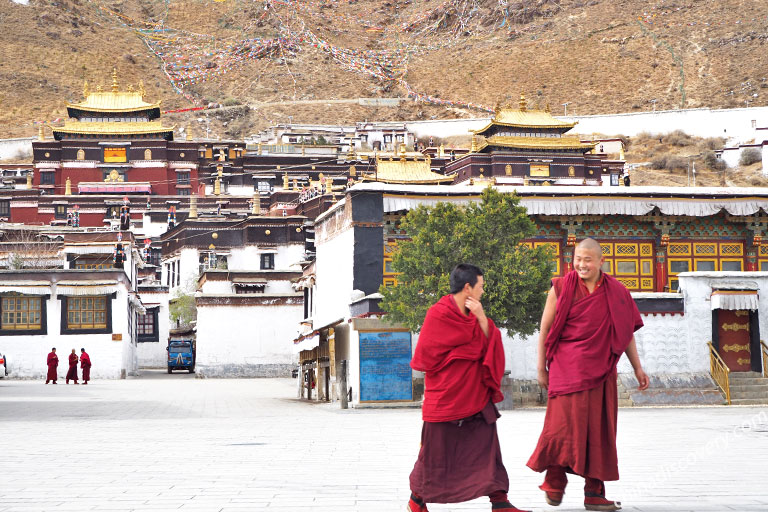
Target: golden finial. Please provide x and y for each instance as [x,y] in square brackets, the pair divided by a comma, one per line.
[473,149]
[99,88]
[189,133]
[217,187]
[497,109]
[621,153]
[523,103]
[285,181]
[547,109]
[141,88]
[193,207]
[29,180]
[85,89]
[130,87]
[41,132]
[114,80]
[68,187]
[441,150]
[256,206]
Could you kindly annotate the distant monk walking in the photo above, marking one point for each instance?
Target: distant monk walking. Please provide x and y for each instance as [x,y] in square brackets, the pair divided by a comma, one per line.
[462,357]
[85,364]
[588,323]
[53,364]
[72,373]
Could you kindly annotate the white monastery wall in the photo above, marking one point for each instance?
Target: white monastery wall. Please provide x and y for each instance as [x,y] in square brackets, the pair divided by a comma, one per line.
[334,266]
[253,341]
[12,148]
[111,359]
[152,354]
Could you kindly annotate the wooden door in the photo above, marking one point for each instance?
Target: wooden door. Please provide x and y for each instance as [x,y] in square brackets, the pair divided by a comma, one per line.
[734,339]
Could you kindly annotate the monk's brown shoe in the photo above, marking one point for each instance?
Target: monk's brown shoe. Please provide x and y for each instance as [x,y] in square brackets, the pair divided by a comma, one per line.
[553,498]
[598,502]
[506,506]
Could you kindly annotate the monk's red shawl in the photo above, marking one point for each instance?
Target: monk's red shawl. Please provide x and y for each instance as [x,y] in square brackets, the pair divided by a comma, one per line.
[85,360]
[53,360]
[586,341]
[462,367]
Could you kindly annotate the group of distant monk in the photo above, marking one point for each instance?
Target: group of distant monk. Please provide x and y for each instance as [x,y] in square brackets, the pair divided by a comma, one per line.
[588,322]
[53,364]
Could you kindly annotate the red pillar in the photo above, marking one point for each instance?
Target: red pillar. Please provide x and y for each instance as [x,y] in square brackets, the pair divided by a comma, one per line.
[661,268]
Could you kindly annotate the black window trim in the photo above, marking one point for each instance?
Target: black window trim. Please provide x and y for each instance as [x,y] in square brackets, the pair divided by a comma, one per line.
[105,330]
[43,330]
[155,337]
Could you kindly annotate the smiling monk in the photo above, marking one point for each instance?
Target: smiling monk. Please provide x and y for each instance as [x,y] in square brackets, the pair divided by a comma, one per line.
[588,322]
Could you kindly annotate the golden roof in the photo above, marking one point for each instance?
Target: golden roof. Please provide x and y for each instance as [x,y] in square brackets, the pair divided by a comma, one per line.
[404,171]
[123,101]
[114,100]
[524,118]
[104,128]
[537,143]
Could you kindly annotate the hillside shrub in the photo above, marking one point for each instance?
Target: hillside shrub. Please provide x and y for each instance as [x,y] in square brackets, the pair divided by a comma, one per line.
[713,162]
[678,138]
[750,156]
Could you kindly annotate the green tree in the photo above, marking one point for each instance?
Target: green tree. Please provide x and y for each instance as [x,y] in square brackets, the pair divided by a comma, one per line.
[486,234]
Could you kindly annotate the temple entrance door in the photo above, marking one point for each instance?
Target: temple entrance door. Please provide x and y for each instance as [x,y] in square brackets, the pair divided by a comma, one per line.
[734,339]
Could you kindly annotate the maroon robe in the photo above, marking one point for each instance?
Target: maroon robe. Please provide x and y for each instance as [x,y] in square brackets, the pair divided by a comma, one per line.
[460,457]
[85,364]
[72,373]
[53,363]
[583,347]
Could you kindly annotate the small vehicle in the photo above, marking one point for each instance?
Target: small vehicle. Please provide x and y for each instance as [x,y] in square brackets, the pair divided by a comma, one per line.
[181,355]
[3,366]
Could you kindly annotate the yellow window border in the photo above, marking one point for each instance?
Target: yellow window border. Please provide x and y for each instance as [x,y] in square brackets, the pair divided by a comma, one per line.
[669,265]
[740,260]
[554,245]
[675,281]
[650,250]
[648,281]
[634,246]
[610,266]
[714,260]
[685,245]
[625,260]
[634,280]
[389,281]
[607,248]
[760,263]
[740,245]
[763,250]
[696,245]
[649,260]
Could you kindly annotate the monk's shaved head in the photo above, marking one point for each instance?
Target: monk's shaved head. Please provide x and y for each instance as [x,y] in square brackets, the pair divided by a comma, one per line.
[590,244]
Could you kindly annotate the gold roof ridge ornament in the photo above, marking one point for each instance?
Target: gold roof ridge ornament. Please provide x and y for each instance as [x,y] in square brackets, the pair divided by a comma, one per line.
[85,89]
[523,103]
[141,89]
[115,87]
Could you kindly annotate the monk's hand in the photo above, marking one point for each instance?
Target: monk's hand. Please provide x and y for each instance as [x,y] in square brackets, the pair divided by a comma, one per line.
[543,378]
[475,306]
[642,379]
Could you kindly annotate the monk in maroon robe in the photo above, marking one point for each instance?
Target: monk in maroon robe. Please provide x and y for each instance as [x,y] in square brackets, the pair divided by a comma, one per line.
[72,373]
[85,365]
[588,322]
[53,364]
[462,357]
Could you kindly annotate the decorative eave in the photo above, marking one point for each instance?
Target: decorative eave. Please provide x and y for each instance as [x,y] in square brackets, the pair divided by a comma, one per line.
[406,171]
[524,118]
[542,143]
[102,128]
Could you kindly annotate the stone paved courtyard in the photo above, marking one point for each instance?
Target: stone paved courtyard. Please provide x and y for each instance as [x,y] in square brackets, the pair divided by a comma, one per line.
[172,442]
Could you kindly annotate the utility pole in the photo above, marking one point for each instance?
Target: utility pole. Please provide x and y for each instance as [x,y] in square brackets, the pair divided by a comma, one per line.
[565,108]
[653,101]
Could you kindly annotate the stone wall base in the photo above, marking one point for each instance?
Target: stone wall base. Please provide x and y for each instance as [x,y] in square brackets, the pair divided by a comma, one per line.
[233,371]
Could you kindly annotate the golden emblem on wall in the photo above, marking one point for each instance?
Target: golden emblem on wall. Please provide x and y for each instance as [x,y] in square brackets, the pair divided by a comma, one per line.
[743,361]
[508,170]
[113,177]
[741,313]
[539,169]
[736,348]
[735,327]
[571,171]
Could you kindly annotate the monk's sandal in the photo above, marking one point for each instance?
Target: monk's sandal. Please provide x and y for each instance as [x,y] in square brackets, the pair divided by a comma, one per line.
[416,505]
[553,498]
[598,502]
[505,506]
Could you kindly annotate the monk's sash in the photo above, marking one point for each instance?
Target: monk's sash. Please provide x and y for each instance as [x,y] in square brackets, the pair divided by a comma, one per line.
[587,339]
[462,367]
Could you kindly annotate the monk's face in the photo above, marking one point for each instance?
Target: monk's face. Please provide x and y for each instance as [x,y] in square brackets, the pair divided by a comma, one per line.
[587,263]
[476,291]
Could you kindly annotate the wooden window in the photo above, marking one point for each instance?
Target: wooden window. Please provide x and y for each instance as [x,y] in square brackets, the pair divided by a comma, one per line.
[607,248]
[704,249]
[47,178]
[731,249]
[646,283]
[631,283]
[183,192]
[267,261]
[5,209]
[646,249]
[607,267]
[60,211]
[626,267]
[646,267]
[678,265]
[763,265]
[86,313]
[626,249]
[93,266]
[731,265]
[182,178]
[389,281]
[146,326]
[679,249]
[21,312]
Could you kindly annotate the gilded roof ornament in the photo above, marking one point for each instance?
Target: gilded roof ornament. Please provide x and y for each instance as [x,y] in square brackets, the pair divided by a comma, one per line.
[141,88]
[523,103]
[98,88]
[115,88]
[130,87]
[85,89]
[547,109]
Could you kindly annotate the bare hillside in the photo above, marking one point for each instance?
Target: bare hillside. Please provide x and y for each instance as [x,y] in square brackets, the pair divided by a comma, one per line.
[458,57]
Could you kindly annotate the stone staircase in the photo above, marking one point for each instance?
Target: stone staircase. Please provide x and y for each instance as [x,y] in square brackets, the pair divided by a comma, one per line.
[624,399]
[748,388]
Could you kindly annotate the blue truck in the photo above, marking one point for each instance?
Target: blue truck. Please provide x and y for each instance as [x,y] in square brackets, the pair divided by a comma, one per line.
[181,355]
